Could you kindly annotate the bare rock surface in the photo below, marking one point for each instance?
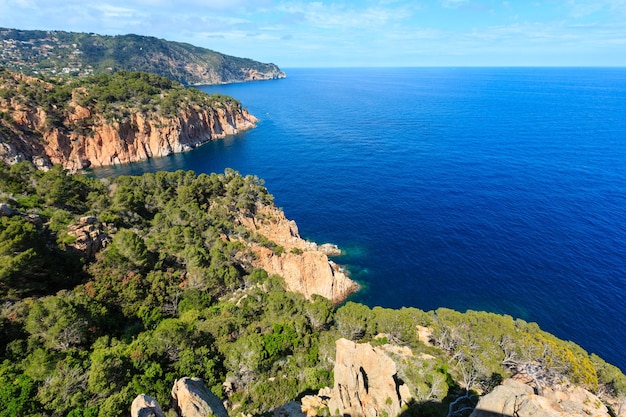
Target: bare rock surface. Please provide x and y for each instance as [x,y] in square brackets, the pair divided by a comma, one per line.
[193,399]
[514,398]
[145,406]
[89,236]
[305,268]
[366,384]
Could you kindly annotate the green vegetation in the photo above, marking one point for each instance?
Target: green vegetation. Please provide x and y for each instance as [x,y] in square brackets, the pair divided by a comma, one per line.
[112,98]
[174,294]
[68,54]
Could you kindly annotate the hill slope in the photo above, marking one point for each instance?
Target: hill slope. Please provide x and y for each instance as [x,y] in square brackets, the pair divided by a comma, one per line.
[69,53]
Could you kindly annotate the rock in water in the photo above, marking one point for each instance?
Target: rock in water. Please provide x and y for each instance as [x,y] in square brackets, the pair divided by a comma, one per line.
[145,406]
[193,399]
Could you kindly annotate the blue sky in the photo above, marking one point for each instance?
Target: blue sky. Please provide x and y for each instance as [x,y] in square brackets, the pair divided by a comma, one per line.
[294,33]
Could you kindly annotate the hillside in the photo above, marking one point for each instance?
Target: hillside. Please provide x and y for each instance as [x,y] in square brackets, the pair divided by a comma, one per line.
[119,287]
[108,119]
[58,53]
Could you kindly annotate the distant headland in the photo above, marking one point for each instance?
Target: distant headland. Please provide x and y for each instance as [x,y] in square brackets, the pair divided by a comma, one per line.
[59,53]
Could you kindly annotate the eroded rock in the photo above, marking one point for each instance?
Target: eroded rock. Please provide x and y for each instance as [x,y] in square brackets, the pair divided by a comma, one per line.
[366,382]
[145,406]
[89,238]
[193,399]
[514,398]
[305,268]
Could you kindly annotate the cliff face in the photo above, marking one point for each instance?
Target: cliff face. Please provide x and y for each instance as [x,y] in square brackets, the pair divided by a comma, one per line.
[304,266]
[366,382]
[143,137]
[83,137]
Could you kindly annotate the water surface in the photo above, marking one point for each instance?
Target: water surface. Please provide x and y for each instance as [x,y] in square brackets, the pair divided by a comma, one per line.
[471,188]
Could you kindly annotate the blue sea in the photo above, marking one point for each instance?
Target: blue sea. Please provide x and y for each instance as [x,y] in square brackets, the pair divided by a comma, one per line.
[497,189]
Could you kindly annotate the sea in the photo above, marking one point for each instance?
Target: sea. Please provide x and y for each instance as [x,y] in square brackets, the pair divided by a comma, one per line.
[494,189]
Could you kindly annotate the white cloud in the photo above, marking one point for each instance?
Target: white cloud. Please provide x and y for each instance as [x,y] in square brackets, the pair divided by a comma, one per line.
[110,11]
[342,17]
[453,4]
[584,8]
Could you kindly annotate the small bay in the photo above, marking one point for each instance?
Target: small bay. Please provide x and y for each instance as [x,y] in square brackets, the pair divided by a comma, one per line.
[497,189]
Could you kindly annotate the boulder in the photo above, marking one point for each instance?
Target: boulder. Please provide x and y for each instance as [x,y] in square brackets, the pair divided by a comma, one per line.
[329,249]
[514,398]
[193,399]
[145,406]
[5,210]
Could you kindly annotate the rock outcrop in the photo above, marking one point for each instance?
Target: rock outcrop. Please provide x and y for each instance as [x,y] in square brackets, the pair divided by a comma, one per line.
[193,399]
[514,398]
[88,236]
[145,406]
[366,384]
[190,398]
[305,268]
[84,138]
[142,137]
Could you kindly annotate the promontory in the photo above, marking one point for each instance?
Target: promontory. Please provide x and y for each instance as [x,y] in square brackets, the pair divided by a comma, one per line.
[69,54]
[108,119]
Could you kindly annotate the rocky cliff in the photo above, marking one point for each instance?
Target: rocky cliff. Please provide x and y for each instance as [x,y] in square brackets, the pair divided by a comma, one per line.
[142,137]
[304,266]
[79,133]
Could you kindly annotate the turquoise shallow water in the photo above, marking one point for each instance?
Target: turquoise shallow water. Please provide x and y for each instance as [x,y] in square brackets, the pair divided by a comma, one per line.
[499,189]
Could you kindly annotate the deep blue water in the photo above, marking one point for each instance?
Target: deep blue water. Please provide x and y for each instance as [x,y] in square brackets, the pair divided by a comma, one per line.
[471,188]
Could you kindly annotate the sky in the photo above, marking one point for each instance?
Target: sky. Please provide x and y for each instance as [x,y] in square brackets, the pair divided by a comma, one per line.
[351,33]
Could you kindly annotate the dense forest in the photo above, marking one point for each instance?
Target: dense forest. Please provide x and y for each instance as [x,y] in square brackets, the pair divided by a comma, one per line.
[167,290]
